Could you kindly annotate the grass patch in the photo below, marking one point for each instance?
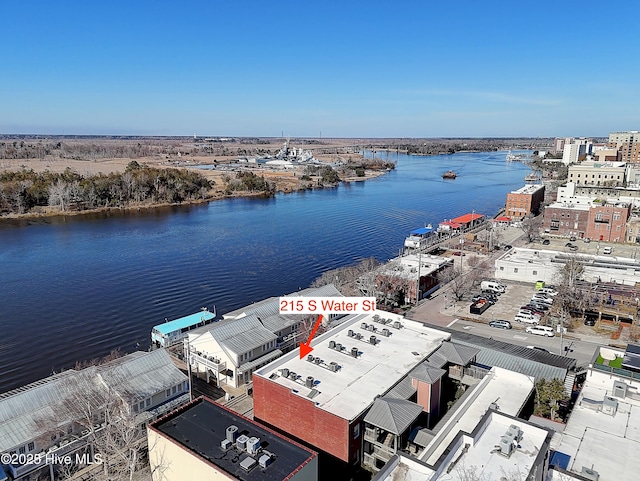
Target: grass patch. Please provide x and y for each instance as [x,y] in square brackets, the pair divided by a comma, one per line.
[600,359]
[616,363]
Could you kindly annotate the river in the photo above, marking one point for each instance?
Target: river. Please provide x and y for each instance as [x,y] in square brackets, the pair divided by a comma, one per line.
[76,288]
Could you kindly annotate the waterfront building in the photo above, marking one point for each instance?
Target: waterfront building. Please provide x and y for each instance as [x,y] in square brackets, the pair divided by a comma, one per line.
[230,350]
[524,201]
[600,440]
[628,145]
[610,174]
[583,219]
[173,332]
[323,399]
[570,193]
[408,278]
[576,150]
[461,223]
[52,415]
[203,440]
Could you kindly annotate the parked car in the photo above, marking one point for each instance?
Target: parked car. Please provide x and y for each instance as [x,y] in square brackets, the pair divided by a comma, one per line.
[586,240]
[507,247]
[547,291]
[572,238]
[607,250]
[546,242]
[539,306]
[526,318]
[540,331]
[500,324]
[532,310]
[590,322]
[537,348]
[542,300]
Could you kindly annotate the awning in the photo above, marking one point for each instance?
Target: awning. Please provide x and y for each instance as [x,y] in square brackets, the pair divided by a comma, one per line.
[244,367]
[421,231]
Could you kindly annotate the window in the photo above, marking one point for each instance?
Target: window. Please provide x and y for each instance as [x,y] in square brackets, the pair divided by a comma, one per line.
[22,450]
[31,446]
[501,268]
[147,402]
[535,273]
[356,431]
[515,270]
[174,390]
[168,392]
[141,405]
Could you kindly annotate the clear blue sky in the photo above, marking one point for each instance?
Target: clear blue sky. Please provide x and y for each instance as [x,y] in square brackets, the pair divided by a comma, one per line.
[346,69]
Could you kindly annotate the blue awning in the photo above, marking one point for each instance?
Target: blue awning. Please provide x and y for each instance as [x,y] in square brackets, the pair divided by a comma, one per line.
[421,231]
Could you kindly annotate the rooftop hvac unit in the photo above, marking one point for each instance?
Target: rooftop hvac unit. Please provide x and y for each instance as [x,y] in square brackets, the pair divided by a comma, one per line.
[354,351]
[264,461]
[590,473]
[397,325]
[253,445]
[248,463]
[317,360]
[310,358]
[515,433]
[386,332]
[373,340]
[309,382]
[232,433]
[226,444]
[285,372]
[371,327]
[364,325]
[333,366]
[620,389]
[506,446]
[350,333]
[358,336]
[609,406]
[293,376]
[332,344]
[338,346]
[241,442]
[376,317]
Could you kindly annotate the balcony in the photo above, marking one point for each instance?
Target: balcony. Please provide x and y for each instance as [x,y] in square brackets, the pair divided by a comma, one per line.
[601,221]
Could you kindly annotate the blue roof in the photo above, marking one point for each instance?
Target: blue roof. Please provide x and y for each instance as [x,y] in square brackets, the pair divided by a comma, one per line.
[559,459]
[187,321]
[421,231]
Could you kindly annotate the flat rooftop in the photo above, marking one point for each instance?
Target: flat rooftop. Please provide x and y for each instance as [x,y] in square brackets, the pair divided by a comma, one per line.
[528,189]
[201,426]
[608,444]
[504,390]
[353,386]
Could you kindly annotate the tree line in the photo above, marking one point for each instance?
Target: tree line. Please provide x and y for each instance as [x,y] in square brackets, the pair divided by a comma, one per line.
[27,191]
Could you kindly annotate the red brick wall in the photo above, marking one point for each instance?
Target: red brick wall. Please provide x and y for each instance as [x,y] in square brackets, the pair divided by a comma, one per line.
[298,416]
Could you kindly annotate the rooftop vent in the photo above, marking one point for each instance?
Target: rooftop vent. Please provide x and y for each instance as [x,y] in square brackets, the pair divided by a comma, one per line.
[232,433]
[310,358]
[610,405]
[332,344]
[358,336]
[350,333]
[376,317]
[620,389]
[293,376]
[226,444]
[248,463]
[338,346]
[515,433]
[371,328]
[317,360]
[506,446]
[364,325]
[241,442]
[309,382]
[373,340]
[333,366]
[285,372]
[386,332]
[354,351]
[397,325]
[589,473]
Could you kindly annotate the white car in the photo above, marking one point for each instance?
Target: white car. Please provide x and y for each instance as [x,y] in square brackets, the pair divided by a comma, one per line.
[540,330]
[526,318]
[542,299]
[547,292]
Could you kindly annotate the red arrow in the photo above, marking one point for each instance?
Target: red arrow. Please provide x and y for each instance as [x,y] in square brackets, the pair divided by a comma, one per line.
[305,347]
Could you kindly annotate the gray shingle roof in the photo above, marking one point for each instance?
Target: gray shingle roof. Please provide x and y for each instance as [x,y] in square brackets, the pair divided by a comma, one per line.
[426,373]
[392,415]
[457,353]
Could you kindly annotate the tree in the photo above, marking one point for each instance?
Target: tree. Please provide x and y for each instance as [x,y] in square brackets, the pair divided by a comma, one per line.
[531,226]
[547,396]
[456,281]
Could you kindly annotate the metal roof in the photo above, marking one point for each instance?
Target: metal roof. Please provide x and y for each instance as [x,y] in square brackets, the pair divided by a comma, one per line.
[393,415]
[426,373]
[244,367]
[403,390]
[241,335]
[457,353]
[187,321]
[277,322]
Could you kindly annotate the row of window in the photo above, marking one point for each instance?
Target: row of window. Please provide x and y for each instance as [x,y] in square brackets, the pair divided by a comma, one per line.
[593,176]
[515,271]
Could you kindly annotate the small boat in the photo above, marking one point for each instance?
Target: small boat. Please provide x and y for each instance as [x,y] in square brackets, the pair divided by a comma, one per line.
[449,174]
[532,178]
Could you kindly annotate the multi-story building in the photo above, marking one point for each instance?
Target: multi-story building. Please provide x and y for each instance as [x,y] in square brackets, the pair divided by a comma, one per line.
[323,399]
[633,230]
[628,145]
[566,219]
[59,415]
[608,222]
[610,174]
[524,201]
[205,441]
[576,150]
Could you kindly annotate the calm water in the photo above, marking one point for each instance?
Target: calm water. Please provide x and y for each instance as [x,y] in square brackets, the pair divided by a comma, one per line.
[75,289]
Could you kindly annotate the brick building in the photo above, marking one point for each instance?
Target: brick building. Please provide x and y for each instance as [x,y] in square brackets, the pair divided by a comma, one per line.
[608,222]
[323,399]
[524,201]
[566,219]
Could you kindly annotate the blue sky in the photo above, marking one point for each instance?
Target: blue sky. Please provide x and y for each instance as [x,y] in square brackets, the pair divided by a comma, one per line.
[343,69]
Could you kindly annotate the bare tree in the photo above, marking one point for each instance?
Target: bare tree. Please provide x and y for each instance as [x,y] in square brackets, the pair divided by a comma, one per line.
[456,281]
[531,226]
